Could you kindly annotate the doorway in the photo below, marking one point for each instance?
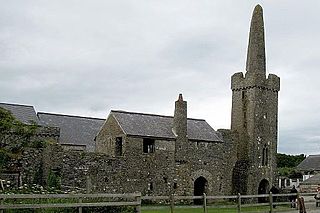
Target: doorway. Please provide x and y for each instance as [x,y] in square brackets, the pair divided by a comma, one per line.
[200,187]
[263,189]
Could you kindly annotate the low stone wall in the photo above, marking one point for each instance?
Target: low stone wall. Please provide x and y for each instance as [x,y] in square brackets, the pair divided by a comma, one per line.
[308,187]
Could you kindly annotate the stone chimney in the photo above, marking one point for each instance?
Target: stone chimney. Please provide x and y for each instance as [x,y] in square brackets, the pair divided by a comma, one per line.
[180,128]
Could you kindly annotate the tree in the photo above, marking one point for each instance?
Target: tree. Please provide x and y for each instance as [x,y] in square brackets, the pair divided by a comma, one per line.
[14,136]
[287,165]
[290,161]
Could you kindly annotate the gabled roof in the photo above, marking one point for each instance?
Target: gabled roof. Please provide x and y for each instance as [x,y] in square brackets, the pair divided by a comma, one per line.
[311,163]
[159,126]
[74,129]
[24,113]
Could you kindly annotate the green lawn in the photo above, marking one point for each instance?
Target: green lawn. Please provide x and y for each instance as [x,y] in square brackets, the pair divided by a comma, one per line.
[190,210]
[212,209]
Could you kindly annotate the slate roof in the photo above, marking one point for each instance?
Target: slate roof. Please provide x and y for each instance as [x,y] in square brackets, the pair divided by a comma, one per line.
[314,180]
[311,163]
[24,113]
[77,130]
[159,126]
[74,130]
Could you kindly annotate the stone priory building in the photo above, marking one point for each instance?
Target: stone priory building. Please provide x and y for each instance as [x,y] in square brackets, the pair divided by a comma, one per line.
[161,155]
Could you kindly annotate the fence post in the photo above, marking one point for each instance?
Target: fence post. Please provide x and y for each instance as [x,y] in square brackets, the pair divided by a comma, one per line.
[239,203]
[80,207]
[271,202]
[138,207]
[297,200]
[2,202]
[88,184]
[171,203]
[205,203]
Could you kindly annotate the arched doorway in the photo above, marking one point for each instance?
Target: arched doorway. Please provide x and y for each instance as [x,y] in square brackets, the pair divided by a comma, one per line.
[263,189]
[200,187]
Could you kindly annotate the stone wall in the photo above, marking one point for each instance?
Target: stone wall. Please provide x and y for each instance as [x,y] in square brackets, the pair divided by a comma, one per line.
[32,165]
[107,135]
[154,173]
[51,134]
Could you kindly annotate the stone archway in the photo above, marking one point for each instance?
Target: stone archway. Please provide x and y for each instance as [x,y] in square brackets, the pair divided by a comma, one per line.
[200,187]
[264,188]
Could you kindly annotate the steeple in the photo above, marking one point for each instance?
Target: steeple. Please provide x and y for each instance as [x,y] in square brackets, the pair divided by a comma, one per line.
[256,57]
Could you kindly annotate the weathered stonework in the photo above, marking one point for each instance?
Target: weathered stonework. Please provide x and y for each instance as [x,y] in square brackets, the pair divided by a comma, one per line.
[161,155]
[255,117]
[162,169]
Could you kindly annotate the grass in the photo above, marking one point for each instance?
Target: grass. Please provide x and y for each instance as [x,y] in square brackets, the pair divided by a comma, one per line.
[189,210]
[211,209]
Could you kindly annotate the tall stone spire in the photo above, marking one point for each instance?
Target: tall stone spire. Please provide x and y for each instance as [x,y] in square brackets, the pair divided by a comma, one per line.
[256,57]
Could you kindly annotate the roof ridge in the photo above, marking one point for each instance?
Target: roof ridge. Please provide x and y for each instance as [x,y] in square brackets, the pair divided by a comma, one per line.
[150,114]
[141,113]
[196,119]
[11,104]
[77,116]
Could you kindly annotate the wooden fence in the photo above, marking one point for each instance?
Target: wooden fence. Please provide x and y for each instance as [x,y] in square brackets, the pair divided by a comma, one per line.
[79,204]
[135,200]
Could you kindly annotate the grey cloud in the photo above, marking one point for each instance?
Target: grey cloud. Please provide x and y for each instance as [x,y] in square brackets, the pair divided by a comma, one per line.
[87,57]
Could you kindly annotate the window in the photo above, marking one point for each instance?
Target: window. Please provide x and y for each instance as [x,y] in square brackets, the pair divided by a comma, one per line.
[118,147]
[243,94]
[265,153]
[148,145]
[198,144]
[150,186]
[165,179]
[175,185]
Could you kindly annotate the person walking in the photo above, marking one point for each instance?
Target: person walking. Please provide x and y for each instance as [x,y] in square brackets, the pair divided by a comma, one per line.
[302,208]
[317,197]
[274,190]
[293,198]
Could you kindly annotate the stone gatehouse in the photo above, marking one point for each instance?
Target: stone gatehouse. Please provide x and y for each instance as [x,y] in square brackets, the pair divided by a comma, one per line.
[159,155]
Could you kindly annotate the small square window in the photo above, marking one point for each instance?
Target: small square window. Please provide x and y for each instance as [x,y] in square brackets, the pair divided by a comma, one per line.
[175,185]
[148,145]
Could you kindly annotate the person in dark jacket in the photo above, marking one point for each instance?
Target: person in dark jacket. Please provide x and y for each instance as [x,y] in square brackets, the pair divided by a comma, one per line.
[293,198]
[317,197]
[274,190]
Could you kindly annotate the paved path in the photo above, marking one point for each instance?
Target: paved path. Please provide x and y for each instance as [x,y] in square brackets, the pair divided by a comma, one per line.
[310,206]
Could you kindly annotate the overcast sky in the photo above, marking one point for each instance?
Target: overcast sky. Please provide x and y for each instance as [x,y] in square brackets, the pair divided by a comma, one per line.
[88,57]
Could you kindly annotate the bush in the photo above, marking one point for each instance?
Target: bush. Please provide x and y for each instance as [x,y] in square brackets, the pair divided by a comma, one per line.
[54,181]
